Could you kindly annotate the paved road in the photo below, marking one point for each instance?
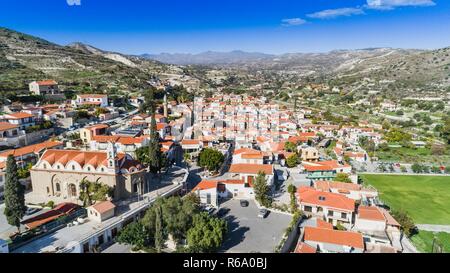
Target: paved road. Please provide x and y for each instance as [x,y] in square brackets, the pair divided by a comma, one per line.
[248,233]
[434,228]
[408,247]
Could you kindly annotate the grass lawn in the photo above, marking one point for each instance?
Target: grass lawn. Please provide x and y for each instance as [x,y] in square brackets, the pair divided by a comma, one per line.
[424,241]
[425,198]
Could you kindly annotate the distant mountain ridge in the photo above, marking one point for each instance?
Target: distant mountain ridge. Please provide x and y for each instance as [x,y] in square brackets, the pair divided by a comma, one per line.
[208,57]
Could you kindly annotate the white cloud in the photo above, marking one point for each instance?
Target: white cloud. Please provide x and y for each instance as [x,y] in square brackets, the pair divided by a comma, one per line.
[391,4]
[293,22]
[333,13]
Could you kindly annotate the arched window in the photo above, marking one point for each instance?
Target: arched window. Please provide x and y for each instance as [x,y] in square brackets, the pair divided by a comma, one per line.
[89,169]
[72,190]
[58,167]
[58,187]
[73,167]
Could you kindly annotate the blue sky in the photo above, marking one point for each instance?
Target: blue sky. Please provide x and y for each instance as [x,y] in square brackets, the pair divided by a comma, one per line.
[271,26]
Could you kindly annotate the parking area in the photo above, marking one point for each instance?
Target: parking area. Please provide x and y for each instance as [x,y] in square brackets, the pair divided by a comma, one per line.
[249,233]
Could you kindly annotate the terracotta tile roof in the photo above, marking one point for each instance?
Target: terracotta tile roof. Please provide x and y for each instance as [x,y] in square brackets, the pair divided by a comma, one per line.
[304,248]
[370,213]
[337,237]
[105,139]
[209,184]
[251,168]
[160,126]
[389,219]
[91,103]
[323,224]
[244,150]
[36,148]
[327,185]
[93,96]
[97,126]
[308,195]
[95,159]
[47,217]
[7,126]
[47,82]
[104,206]
[190,142]
[18,115]
[205,184]
[253,156]
[329,165]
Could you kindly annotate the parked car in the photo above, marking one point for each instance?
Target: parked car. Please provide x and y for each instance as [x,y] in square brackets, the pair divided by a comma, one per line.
[262,213]
[222,212]
[31,211]
[209,209]
[244,203]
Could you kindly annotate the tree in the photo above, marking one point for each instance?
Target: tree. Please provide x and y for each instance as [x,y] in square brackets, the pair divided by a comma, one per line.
[291,190]
[207,233]
[262,190]
[94,191]
[446,130]
[14,194]
[134,234]
[292,161]
[417,168]
[290,147]
[211,159]
[159,233]
[155,155]
[149,105]
[343,177]
[386,125]
[405,221]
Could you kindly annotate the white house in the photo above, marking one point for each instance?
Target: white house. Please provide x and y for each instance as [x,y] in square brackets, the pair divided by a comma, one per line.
[210,191]
[99,100]
[249,172]
[101,211]
[333,208]
[47,87]
[333,241]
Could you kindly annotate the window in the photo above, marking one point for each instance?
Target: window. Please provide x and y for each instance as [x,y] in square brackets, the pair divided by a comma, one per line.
[58,167]
[308,208]
[73,167]
[45,166]
[343,215]
[86,248]
[330,213]
[58,187]
[89,169]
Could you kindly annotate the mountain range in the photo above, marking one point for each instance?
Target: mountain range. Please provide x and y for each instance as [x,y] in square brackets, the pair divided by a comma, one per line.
[82,67]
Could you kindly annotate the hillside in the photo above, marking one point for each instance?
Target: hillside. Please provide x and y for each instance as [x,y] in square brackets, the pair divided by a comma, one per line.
[24,58]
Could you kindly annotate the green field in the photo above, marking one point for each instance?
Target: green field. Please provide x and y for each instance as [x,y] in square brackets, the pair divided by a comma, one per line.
[424,241]
[425,198]
[411,155]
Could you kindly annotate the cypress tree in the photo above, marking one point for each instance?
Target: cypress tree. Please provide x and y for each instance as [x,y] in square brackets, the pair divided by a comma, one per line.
[159,238]
[155,154]
[14,194]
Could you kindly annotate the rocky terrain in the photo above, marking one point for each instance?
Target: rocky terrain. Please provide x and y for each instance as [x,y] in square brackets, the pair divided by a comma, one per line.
[24,58]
